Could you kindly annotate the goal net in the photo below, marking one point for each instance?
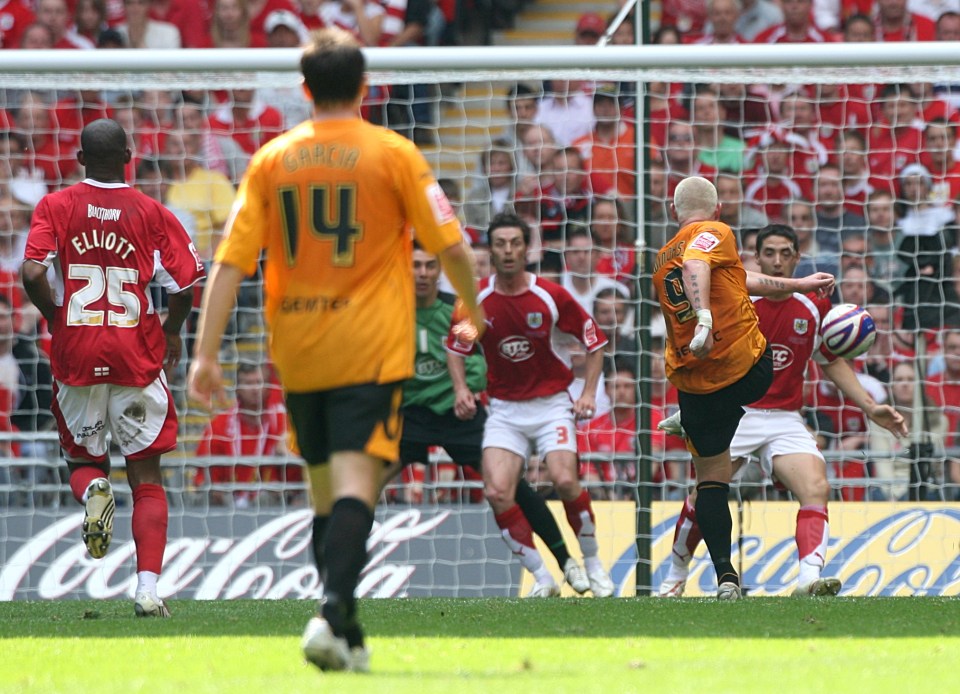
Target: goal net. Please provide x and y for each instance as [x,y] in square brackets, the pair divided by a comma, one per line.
[854,147]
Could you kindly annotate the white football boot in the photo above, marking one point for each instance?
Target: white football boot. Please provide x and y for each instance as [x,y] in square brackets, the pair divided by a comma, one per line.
[575,576]
[323,649]
[146,605]
[822,587]
[98,517]
[729,591]
[544,590]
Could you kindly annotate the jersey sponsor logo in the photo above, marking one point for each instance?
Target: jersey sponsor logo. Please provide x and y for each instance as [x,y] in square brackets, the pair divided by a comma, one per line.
[705,242]
[442,209]
[88,430]
[782,357]
[515,348]
[800,326]
[429,369]
[102,213]
[535,319]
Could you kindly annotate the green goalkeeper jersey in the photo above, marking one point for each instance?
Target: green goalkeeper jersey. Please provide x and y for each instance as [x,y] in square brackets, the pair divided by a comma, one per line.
[431,386]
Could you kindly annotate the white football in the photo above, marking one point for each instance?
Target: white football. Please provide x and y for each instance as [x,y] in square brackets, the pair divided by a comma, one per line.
[848,331]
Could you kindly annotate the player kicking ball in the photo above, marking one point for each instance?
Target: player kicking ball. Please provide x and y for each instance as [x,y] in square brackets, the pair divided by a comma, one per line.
[107,242]
[772,427]
[529,403]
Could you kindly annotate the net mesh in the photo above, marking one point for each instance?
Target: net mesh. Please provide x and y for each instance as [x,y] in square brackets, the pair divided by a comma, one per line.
[816,148]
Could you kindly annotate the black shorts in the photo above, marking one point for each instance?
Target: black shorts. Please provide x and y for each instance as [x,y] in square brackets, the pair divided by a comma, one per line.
[364,418]
[423,428]
[711,419]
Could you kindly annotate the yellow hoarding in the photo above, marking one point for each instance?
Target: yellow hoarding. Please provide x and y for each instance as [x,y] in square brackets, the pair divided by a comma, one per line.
[875,548]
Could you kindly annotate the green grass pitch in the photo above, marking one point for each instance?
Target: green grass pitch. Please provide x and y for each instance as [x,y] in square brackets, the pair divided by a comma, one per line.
[862,645]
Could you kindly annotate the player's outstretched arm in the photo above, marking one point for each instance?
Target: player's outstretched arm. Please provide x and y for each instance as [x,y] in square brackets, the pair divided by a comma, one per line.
[696,285]
[205,380]
[457,263]
[759,284]
[846,380]
[34,276]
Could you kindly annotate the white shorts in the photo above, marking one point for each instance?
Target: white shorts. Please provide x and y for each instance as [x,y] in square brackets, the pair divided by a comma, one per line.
[769,433]
[141,421]
[548,423]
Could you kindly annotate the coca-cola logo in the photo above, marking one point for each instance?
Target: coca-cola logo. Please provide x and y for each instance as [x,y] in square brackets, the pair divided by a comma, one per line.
[516,348]
[271,562]
[899,554]
[782,357]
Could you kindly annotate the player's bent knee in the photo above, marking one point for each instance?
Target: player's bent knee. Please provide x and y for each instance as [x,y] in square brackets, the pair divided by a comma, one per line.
[567,486]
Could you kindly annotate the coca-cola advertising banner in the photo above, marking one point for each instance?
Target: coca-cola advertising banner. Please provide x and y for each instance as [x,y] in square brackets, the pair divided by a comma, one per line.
[875,548]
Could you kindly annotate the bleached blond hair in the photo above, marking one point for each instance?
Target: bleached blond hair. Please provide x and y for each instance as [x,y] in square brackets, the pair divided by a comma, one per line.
[694,196]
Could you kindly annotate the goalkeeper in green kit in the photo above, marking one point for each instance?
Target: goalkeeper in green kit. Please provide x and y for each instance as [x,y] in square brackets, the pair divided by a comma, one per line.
[429,420]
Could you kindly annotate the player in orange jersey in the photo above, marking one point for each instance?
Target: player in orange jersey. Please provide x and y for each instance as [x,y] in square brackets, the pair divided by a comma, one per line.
[716,355]
[332,202]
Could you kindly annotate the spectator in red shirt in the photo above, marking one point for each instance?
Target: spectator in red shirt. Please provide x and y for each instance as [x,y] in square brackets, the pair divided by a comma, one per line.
[249,121]
[612,433]
[613,245]
[797,25]
[251,430]
[36,37]
[191,17]
[943,388]
[89,19]
[858,184]
[56,16]
[773,184]
[49,150]
[722,16]
[15,17]
[939,141]
[897,138]
[894,23]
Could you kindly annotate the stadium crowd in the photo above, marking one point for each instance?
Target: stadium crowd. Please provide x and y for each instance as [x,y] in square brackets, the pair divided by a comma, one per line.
[868,175]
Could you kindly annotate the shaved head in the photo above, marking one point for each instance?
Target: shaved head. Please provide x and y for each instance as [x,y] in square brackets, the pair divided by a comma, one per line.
[103,139]
[694,196]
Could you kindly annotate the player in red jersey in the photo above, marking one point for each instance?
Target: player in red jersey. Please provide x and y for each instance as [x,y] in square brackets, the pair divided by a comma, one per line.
[106,242]
[772,427]
[527,382]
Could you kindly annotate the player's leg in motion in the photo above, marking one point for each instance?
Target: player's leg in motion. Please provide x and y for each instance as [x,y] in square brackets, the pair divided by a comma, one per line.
[334,640]
[563,467]
[91,487]
[805,475]
[149,533]
[501,470]
[686,538]
[545,525]
[713,517]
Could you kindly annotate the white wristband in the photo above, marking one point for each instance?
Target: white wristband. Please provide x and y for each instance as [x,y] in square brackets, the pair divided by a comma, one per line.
[704,317]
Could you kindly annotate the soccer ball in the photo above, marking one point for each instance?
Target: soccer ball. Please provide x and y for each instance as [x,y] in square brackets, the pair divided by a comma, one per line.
[848,331]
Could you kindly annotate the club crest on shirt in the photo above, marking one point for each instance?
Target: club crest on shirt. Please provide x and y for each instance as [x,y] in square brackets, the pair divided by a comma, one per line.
[800,326]
[705,242]
[535,319]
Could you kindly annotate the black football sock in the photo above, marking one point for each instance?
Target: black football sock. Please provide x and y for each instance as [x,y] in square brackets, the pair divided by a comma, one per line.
[713,517]
[319,537]
[346,554]
[541,521]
